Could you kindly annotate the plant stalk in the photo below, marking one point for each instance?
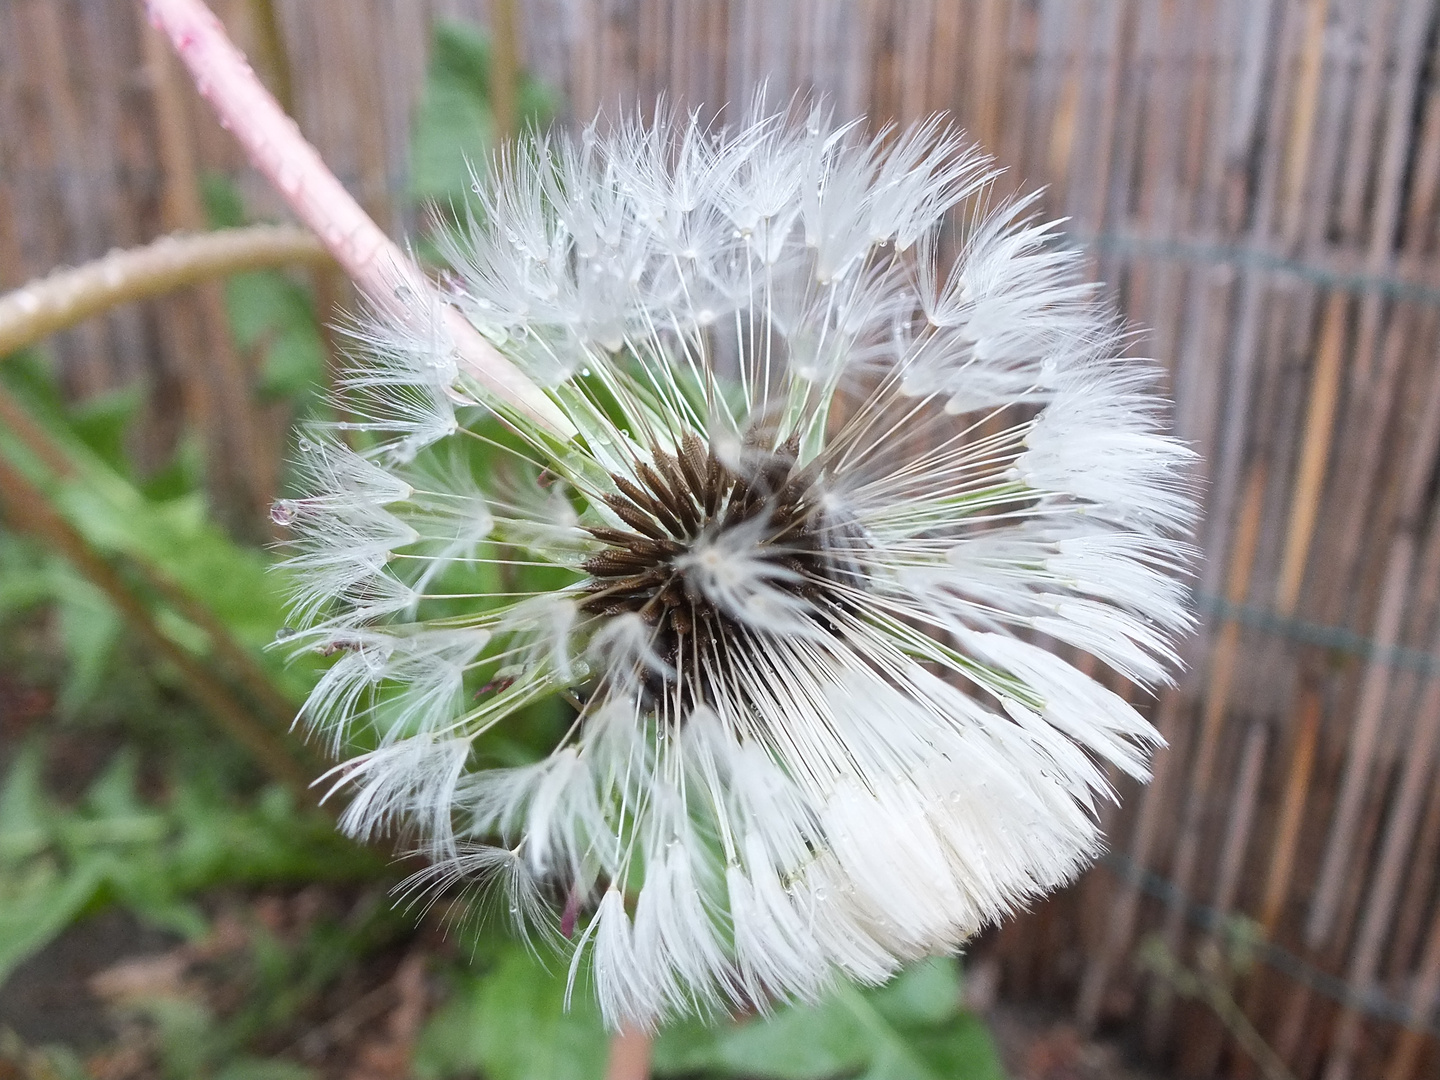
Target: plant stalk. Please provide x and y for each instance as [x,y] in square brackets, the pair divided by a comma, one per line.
[70,296]
[387,277]
[505,68]
[629,1055]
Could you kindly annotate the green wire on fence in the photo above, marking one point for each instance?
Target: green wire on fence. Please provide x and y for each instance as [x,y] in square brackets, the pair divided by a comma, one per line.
[1335,638]
[1247,257]
[1370,1000]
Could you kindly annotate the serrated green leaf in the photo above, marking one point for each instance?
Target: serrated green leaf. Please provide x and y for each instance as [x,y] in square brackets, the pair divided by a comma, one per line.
[173,537]
[177,539]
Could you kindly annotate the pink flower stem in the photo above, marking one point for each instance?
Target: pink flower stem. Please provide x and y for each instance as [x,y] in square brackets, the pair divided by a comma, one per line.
[376,265]
[629,1055]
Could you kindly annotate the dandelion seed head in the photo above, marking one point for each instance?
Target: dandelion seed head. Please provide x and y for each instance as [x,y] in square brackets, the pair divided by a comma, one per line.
[795,582]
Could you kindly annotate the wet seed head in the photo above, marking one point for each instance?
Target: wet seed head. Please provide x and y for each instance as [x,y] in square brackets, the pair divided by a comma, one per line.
[678,510]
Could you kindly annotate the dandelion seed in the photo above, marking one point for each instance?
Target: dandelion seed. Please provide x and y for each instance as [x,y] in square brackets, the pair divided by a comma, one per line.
[790,573]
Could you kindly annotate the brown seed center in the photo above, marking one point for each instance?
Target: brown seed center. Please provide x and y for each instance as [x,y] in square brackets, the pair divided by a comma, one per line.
[670,508]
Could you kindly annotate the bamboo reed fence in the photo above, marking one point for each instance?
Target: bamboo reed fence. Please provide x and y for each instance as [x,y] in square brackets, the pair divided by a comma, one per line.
[1256,180]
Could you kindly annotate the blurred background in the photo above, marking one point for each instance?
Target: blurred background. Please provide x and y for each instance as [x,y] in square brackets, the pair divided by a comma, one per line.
[1256,182]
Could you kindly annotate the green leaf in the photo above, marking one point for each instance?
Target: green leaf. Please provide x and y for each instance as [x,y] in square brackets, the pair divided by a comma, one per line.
[224,207]
[294,365]
[260,302]
[511,1024]
[270,312]
[25,818]
[112,793]
[173,536]
[90,631]
[25,576]
[102,422]
[793,1044]
[960,1049]
[925,993]
[184,473]
[910,1029]
[58,862]
[454,125]
[36,903]
[178,540]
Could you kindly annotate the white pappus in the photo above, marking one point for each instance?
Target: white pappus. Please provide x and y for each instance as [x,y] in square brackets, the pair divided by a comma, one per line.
[796,581]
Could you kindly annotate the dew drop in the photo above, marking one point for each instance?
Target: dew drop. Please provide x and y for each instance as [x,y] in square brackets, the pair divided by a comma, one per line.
[287,179]
[285,633]
[283,512]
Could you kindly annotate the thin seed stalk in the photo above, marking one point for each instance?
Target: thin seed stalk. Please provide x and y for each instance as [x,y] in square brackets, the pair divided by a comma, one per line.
[383,273]
[72,295]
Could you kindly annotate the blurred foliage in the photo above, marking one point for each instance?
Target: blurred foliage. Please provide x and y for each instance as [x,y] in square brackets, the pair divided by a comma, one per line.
[150,856]
[161,524]
[270,312]
[509,1022]
[913,1028]
[454,128]
[163,817]
[279,982]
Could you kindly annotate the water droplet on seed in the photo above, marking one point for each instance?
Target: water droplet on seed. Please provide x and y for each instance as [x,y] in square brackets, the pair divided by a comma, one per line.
[285,633]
